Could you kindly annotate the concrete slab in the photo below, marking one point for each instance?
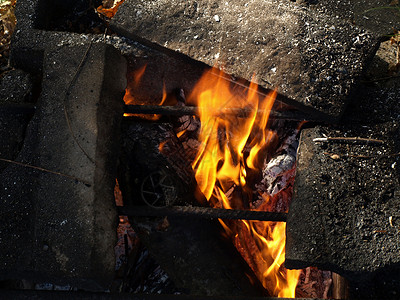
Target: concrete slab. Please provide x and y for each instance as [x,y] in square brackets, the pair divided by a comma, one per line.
[344,215]
[378,16]
[311,58]
[15,88]
[54,228]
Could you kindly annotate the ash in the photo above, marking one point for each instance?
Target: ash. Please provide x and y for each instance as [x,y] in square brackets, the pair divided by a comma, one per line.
[278,173]
[150,278]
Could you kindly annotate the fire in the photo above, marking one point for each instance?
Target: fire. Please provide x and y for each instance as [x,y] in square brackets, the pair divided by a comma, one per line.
[232,148]
[133,89]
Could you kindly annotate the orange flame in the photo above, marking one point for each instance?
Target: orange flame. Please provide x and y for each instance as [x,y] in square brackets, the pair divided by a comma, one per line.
[222,164]
[134,86]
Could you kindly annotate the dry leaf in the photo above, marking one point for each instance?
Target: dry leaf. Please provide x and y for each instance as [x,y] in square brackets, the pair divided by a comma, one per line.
[109,12]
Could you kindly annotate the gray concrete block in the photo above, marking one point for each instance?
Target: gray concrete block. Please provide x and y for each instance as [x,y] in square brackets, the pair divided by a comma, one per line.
[53,228]
[311,58]
[15,89]
[344,215]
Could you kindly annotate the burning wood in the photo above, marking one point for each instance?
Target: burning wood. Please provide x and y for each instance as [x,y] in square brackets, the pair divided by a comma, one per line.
[222,164]
[239,165]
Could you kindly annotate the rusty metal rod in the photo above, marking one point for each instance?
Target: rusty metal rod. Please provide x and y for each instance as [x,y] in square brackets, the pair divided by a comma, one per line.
[193,110]
[204,212]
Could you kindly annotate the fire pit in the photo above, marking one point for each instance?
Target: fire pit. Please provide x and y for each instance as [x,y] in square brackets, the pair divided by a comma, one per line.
[212,154]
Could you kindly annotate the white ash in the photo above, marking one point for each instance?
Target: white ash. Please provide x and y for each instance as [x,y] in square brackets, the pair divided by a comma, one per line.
[276,173]
[123,44]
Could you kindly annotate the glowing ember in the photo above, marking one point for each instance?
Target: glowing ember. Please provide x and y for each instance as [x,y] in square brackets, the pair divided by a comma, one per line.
[231,150]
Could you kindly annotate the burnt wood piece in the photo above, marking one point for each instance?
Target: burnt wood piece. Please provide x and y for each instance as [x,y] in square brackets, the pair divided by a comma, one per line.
[340,287]
[203,212]
[193,110]
[310,58]
[344,216]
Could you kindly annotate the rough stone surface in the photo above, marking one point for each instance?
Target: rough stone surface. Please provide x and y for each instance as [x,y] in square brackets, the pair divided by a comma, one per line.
[15,87]
[307,56]
[33,34]
[376,99]
[53,228]
[344,215]
[378,16]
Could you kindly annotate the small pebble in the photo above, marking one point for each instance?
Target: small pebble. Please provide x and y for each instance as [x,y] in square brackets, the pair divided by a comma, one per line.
[335,156]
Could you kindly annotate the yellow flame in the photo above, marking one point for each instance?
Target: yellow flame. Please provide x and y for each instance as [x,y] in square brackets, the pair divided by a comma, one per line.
[221,165]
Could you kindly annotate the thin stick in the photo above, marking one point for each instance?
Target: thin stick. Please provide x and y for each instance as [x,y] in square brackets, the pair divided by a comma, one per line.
[349,140]
[364,156]
[47,171]
[193,110]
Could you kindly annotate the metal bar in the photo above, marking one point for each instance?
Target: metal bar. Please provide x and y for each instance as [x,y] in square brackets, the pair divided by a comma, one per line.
[79,295]
[193,110]
[204,212]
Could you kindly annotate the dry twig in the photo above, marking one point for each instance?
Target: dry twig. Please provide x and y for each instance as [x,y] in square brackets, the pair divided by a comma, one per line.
[349,140]
[87,183]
